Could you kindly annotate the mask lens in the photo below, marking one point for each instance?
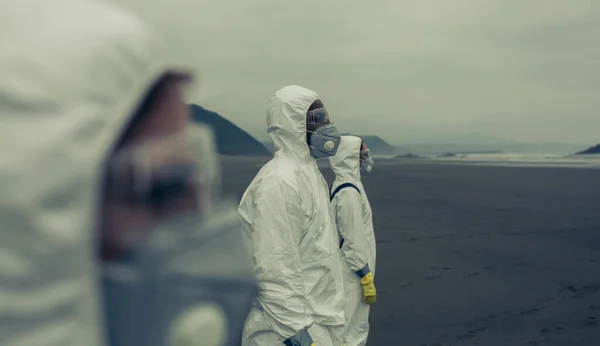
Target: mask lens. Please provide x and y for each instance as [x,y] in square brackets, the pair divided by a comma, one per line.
[317,116]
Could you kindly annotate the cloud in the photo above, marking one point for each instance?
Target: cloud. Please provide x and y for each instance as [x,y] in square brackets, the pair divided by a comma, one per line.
[520,69]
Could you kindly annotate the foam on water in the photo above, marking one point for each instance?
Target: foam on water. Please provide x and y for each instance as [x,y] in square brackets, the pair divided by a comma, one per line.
[513,159]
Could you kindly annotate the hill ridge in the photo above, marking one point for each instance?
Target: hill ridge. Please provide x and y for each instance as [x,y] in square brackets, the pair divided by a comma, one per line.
[591,150]
[230,139]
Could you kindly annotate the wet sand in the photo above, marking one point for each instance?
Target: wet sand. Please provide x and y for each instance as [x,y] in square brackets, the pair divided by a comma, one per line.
[479,255]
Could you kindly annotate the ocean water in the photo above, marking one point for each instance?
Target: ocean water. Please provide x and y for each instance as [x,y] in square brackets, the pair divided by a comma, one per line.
[510,159]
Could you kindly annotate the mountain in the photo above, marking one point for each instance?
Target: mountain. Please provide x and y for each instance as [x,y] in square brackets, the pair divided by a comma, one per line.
[514,147]
[231,140]
[480,143]
[589,151]
[377,145]
[452,138]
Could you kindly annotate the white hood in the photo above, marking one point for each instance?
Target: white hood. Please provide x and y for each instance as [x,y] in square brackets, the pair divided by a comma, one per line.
[72,72]
[286,121]
[346,162]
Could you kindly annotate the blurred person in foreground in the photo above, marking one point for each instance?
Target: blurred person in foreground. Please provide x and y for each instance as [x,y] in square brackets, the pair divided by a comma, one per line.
[290,230]
[109,232]
[354,221]
[289,227]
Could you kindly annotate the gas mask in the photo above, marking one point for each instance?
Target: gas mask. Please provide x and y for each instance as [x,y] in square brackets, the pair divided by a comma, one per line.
[366,164]
[189,280]
[325,140]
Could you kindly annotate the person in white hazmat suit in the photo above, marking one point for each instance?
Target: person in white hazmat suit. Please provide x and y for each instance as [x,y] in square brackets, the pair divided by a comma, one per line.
[354,222]
[288,223]
[108,236]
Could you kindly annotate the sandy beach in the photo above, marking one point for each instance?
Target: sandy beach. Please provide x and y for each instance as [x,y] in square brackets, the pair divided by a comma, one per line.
[477,254]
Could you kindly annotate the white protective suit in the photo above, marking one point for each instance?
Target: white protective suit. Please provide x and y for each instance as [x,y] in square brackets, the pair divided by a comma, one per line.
[288,223]
[72,72]
[354,221]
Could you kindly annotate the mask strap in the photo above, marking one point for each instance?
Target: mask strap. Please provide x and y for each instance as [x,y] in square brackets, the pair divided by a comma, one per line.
[315,131]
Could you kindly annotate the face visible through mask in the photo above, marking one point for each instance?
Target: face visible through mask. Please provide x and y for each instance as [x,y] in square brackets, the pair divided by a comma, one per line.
[366,161]
[322,136]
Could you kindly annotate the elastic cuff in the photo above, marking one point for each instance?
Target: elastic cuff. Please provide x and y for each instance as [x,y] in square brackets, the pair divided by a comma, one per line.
[302,338]
[364,271]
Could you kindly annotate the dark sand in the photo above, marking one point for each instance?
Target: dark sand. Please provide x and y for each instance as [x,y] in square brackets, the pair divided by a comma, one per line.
[479,255]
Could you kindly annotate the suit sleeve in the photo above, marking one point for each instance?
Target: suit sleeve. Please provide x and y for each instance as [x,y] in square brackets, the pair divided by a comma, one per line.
[277,225]
[349,220]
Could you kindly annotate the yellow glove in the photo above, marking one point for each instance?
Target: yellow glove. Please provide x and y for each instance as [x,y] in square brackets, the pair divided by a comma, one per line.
[369,292]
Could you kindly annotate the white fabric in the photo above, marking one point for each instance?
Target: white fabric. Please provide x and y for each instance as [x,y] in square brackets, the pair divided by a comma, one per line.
[289,228]
[72,73]
[327,335]
[263,336]
[354,221]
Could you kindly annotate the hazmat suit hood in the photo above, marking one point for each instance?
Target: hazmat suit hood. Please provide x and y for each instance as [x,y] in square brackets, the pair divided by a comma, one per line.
[288,225]
[73,72]
[346,162]
[286,121]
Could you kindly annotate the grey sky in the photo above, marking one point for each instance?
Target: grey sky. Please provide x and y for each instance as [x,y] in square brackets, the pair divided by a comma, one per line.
[404,69]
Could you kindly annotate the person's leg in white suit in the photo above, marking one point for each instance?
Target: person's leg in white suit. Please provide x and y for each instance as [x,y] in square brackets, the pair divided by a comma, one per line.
[336,333]
[257,331]
[357,331]
[357,313]
[320,335]
[327,335]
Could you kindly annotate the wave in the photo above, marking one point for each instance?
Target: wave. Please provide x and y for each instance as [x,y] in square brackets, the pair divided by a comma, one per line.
[521,159]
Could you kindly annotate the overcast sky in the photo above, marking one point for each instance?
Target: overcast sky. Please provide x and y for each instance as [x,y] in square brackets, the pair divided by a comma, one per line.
[404,69]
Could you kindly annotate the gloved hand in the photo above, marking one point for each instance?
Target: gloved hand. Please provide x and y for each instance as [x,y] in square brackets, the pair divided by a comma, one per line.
[302,338]
[369,292]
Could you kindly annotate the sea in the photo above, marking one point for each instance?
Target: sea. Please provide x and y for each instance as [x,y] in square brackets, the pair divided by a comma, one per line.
[505,159]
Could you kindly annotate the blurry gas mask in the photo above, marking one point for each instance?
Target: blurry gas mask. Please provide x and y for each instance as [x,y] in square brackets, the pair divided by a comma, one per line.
[366,162]
[189,280]
[325,140]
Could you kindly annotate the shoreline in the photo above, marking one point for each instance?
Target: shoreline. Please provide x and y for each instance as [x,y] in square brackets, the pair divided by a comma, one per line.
[564,162]
[576,162]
